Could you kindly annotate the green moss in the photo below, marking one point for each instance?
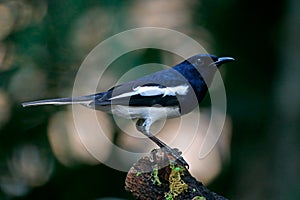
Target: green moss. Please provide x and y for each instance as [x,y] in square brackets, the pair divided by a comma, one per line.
[176,184]
[155,180]
[138,173]
[169,196]
[199,198]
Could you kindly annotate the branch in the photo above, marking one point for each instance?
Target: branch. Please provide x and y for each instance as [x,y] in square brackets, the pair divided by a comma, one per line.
[159,176]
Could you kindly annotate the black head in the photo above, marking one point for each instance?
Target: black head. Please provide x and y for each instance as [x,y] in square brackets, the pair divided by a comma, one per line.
[207,64]
[204,65]
[208,60]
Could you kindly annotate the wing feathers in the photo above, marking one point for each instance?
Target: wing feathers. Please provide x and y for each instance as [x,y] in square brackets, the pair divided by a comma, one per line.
[148,91]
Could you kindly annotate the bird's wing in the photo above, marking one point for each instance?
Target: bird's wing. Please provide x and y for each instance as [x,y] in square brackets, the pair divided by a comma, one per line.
[162,88]
[150,94]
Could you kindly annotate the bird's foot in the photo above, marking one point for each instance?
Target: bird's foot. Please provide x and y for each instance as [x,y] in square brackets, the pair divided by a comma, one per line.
[141,126]
[173,154]
[176,154]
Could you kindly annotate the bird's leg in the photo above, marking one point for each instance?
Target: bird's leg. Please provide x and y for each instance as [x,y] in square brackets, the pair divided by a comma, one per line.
[143,126]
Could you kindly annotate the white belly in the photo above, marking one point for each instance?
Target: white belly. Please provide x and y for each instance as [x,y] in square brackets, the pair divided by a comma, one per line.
[153,113]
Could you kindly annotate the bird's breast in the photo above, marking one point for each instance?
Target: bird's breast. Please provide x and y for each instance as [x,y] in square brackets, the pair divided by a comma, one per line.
[140,112]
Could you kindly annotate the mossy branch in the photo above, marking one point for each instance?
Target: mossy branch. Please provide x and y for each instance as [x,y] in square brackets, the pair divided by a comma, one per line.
[159,176]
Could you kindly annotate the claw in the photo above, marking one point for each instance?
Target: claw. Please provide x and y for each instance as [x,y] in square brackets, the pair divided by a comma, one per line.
[143,127]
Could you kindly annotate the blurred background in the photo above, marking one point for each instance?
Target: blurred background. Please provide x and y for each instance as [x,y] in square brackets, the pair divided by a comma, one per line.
[43,43]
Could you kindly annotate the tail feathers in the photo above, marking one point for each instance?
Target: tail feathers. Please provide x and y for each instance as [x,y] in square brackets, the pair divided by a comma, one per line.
[84,100]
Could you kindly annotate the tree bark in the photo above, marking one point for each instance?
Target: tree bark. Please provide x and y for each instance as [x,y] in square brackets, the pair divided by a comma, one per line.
[159,176]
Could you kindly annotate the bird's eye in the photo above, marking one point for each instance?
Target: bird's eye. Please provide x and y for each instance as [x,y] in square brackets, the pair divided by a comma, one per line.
[200,61]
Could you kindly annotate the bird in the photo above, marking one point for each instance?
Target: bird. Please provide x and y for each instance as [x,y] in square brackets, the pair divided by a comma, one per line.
[168,93]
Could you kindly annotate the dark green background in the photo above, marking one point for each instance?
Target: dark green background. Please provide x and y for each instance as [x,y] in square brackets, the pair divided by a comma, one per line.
[262,93]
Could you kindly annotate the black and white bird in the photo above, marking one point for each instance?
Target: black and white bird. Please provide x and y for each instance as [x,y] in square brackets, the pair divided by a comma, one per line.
[165,94]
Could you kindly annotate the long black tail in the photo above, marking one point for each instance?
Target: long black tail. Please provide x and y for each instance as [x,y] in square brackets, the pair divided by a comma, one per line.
[83,100]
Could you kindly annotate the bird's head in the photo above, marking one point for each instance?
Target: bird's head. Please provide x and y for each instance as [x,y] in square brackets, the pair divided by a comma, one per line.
[207,64]
[207,60]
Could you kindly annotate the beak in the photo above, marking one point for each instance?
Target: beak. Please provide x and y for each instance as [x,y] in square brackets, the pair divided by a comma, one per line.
[223,60]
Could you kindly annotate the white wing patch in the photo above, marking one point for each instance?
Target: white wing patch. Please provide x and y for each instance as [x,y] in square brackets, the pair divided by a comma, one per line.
[155,90]
[148,90]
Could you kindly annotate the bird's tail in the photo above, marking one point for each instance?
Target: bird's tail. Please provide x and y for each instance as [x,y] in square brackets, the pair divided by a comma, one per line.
[84,100]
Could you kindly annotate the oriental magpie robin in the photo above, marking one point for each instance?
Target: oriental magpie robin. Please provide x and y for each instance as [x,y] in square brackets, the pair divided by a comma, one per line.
[165,94]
